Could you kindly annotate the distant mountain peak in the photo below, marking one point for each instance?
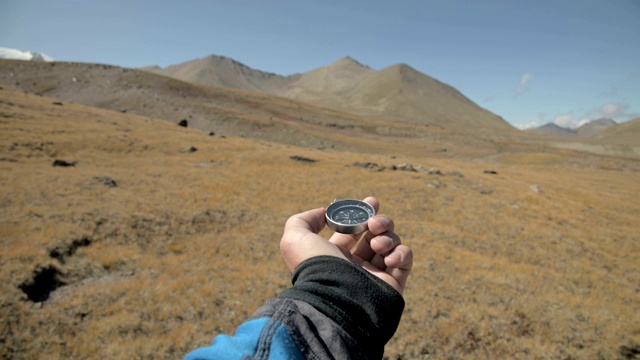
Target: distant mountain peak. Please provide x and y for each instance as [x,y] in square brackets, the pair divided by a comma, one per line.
[6,53]
[347,62]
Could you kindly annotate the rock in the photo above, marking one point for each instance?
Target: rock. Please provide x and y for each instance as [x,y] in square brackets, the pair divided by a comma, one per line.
[434,172]
[190,149]
[109,182]
[630,352]
[490,172]
[63,163]
[535,188]
[302,159]
[404,167]
[369,165]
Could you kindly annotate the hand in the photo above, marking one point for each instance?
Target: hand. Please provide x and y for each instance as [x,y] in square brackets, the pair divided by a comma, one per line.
[379,251]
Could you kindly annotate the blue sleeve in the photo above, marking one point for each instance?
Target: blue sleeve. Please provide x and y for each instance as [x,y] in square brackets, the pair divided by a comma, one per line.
[262,338]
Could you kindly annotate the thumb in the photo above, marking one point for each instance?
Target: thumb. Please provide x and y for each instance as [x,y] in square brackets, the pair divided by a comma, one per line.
[300,240]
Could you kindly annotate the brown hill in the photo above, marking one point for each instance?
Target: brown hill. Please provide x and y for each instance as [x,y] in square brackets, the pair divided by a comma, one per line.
[401,92]
[593,128]
[585,131]
[223,111]
[553,129]
[627,133]
[226,111]
[226,72]
[141,250]
[326,84]
[396,93]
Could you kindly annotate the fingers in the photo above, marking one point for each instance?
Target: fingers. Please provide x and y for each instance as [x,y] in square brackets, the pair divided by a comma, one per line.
[380,238]
[346,241]
[399,263]
[382,249]
[300,240]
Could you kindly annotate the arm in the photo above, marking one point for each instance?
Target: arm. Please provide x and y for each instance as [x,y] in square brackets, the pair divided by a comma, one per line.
[344,303]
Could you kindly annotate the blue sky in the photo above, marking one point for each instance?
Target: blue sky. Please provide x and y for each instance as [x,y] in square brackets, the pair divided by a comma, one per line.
[531,62]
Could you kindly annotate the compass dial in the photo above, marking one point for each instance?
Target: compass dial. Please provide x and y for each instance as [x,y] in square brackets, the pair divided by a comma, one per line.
[349,216]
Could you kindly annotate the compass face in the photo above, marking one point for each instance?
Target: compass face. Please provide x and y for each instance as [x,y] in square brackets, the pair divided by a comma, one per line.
[349,216]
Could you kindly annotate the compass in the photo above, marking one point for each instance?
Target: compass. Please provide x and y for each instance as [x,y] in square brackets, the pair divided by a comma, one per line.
[349,216]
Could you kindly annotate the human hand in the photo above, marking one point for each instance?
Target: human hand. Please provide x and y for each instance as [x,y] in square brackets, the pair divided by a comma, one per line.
[380,251]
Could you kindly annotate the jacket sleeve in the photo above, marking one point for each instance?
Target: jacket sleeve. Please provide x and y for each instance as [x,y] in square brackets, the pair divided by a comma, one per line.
[334,310]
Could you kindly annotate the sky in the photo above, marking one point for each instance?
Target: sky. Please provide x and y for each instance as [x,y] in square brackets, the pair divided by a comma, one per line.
[530,61]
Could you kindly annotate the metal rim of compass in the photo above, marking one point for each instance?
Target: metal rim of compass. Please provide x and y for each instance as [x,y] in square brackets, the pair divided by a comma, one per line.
[348,216]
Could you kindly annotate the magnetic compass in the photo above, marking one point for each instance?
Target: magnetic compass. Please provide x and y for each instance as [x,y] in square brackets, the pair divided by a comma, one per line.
[349,216]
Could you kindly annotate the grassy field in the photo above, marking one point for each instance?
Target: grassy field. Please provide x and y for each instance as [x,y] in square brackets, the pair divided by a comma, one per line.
[521,251]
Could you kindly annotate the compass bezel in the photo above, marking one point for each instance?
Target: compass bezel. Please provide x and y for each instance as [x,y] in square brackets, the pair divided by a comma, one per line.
[353,228]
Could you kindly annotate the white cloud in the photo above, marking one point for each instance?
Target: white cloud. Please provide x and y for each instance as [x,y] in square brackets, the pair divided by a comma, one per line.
[613,110]
[565,120]
[6,53]
[616,111]
[582,122]
[530,125]
[524,79]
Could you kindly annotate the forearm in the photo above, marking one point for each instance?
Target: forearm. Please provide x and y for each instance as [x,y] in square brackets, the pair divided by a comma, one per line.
[335,310]
[367,308]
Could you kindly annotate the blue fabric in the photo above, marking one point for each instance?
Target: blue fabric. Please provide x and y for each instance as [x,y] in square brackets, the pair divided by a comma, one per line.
[262,338]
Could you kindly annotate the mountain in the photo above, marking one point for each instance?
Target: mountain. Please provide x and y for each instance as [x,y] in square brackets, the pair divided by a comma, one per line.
[594,127]
[222,111]
[627,133]
[397,93]
[226,72]
[326,84]
[553,129]
[587,130]
[6,53]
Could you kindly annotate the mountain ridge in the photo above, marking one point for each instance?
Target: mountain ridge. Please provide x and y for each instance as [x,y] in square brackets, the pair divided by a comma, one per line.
[584,131]
[397,92]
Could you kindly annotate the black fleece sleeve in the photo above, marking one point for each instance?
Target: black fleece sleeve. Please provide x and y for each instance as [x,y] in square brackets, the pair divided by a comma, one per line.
[362,304]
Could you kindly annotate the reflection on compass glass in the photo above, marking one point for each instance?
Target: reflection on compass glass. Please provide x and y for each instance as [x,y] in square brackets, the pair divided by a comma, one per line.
[350,215]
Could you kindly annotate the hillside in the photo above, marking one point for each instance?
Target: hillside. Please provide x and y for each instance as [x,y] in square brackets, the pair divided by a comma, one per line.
[627,133]
[144,250]
[553,129]
[220,111]
[232,112]
[595,127]
[397,93]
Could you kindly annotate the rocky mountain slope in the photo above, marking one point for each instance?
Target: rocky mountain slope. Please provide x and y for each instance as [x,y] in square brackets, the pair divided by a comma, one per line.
[396,93]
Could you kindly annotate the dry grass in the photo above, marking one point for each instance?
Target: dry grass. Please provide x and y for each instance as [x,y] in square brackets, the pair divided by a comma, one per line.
[186,245]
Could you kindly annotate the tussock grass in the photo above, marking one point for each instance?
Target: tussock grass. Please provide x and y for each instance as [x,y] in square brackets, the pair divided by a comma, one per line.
[186,245]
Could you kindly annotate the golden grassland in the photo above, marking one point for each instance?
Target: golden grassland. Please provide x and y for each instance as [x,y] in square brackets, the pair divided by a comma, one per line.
[535,259]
